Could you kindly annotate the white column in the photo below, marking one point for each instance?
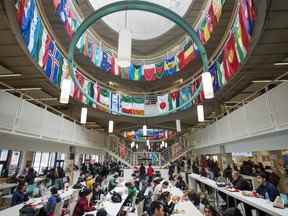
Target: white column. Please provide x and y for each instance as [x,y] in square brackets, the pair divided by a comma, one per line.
[23,163]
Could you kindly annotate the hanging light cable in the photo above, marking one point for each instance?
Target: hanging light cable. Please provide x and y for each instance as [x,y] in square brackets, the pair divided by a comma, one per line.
[124,46]
[200,113]
[83,119]
[65,91]
[110,126]
[207,85]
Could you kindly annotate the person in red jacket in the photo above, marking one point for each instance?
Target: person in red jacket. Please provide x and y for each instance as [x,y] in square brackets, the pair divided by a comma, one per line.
[83,204]
[150,172]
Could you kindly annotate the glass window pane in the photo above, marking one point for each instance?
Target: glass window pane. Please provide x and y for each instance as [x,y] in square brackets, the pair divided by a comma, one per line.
[36,162]
[62,156]
[52,160]
[4,155]
[44,162]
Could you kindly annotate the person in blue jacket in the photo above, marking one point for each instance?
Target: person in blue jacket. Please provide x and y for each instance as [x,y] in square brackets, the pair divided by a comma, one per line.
[266,189]
[19,196]
[52,202]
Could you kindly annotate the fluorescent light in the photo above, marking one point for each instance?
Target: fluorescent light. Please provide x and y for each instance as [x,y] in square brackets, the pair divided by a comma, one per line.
[178,125]
[280,63]
[200,113]
[65,91]
[166,145]
[9,75]
[124,48]
[144,130]
[125,134]
[166,134]
[110,126]
[83,115]
[207,85]
[137,146]
[132,144]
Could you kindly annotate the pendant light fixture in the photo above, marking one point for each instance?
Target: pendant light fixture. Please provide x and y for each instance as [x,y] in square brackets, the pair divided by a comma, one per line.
[144,130]
[124,46]
[207,85]
[178,125]
[165,145]
[200,113]
[83,119]
[65,91]
[133,144]
[110,126]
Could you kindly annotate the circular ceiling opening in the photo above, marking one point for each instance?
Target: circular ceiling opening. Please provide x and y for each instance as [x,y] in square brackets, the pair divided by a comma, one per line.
[143,25]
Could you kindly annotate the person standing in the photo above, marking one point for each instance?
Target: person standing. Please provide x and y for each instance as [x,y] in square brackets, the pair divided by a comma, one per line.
[157,209]
[53,200]
[150,172]
[83,204]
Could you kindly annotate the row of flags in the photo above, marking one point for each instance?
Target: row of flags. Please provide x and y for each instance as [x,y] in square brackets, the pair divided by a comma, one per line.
[51,60]
[153,134]
[108,63]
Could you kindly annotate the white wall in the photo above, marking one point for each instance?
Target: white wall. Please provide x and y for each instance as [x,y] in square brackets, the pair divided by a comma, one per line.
[25,126]
[262,124]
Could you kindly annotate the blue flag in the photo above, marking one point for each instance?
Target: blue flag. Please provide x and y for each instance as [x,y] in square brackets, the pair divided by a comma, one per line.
[27,19]
[106,62]
[213,72]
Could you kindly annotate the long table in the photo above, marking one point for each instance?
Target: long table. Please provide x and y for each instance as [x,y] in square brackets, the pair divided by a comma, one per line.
[65,195]
[5,186]
[111,207]
[258,203]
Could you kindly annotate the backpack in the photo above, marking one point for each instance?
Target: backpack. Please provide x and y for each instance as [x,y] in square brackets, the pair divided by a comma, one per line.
[116,197]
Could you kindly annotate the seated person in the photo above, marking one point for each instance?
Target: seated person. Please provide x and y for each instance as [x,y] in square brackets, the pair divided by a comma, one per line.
[19,196]
[157,209]
[209,211]
[195,199]
[101,212]
[239,182]
[168,204]
[266,188]
[159,189]
[283,189]
[232,212]
[89,182]
[180,183]
[97,191]
[112,182]
[83,205]
[52,202]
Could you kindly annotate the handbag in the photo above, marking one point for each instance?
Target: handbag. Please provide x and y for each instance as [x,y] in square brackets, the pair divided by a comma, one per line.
[116,197]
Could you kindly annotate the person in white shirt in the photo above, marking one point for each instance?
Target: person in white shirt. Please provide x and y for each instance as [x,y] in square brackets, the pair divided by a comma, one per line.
[159,189]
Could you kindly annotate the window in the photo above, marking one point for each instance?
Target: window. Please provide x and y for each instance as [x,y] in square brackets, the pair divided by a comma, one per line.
[43,160]
[3,155]
[14,162]
[9,162]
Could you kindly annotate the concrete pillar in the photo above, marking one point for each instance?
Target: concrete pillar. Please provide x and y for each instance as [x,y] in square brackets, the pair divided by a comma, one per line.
[23,163]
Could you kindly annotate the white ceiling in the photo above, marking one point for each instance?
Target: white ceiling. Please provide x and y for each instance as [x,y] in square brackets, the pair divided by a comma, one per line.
[143,25]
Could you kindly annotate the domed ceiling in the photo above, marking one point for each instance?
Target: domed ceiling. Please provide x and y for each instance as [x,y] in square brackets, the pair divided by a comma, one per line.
[143,25]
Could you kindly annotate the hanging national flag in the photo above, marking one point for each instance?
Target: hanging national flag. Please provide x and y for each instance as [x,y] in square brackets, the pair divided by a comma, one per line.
[149,72]
[170,66]
[138,105]
[114,103]
[211,19]
[217,8]
[159,70]
[213,72]
[221,71]
[245,37]
[20,6]
[43,52]
[181,60]
[138,72]
[106,64]
[162,103]
[96,93]
[126,104]
[185,96]
[104,98]
[60,8]
[124,72]
[189,53]
[115,67]
[230,57]
[131,72]
[173,100]
[26,21]
[249,16]
[241,50]
[204,33]
[77,94]
[53,67]
[36,32]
